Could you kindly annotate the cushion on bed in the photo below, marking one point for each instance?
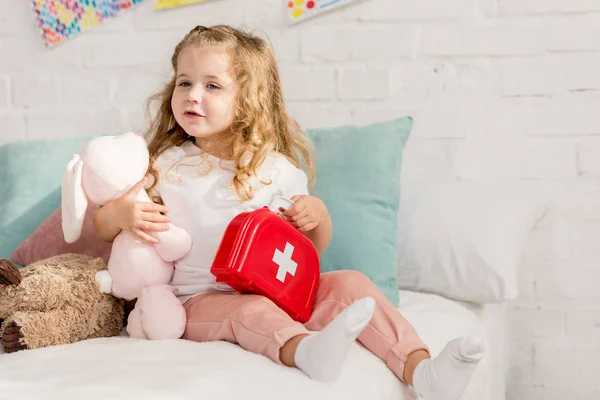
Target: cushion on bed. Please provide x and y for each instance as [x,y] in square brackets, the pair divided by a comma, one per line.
[48,241]
[358,178]
[30,179]
[464,240]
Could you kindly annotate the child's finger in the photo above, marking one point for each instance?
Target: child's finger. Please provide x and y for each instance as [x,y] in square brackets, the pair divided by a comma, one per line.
[155,217]
[298,216]
[150,226]
[144,236]
[295,209]
[135,189]
[301,222]
[308,227]
[153,207]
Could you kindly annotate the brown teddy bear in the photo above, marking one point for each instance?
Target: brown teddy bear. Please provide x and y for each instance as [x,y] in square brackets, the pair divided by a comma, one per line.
[55,301]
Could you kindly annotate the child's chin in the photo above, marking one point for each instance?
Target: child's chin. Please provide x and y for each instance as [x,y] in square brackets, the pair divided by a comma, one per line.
[201,134]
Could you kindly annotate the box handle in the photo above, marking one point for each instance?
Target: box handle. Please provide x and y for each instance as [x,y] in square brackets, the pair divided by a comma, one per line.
[280,202]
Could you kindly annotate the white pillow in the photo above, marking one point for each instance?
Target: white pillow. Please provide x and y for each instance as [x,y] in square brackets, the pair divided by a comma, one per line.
[463,240]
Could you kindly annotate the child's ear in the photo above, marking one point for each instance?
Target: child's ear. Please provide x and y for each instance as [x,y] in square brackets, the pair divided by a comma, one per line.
[74,201]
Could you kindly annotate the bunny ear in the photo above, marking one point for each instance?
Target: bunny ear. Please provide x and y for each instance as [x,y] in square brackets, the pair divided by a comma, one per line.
[74,202]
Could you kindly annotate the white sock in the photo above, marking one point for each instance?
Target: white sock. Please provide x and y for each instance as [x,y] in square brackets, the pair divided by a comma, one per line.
[446,376]
[321,355]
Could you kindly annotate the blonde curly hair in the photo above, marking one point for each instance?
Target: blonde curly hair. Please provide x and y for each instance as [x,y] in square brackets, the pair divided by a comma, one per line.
[261,124]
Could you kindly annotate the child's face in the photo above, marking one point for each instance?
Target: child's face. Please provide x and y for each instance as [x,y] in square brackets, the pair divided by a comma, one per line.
[205,92]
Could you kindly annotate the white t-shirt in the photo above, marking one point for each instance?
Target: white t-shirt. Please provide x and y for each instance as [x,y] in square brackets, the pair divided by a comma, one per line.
[203,204]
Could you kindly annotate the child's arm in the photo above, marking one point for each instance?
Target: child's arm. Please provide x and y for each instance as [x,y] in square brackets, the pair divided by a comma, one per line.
[321,235]
[126,213]
[106,227]
[309,214]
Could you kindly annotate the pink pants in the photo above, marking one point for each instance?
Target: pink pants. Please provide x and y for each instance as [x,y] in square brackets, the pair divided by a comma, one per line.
[258,325]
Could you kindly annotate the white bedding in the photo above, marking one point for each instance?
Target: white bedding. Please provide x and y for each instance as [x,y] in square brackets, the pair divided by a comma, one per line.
[123,368]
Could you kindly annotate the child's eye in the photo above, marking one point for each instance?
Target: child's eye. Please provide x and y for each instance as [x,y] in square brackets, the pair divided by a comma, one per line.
[185,84]
[213,86]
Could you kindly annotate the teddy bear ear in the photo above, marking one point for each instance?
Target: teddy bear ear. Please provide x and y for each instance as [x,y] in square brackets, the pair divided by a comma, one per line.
[74,202]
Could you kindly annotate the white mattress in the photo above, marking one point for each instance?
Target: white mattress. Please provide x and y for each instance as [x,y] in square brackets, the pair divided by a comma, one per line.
[123,368]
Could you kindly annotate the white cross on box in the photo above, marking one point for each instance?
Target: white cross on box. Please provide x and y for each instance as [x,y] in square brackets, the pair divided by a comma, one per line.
[285,262]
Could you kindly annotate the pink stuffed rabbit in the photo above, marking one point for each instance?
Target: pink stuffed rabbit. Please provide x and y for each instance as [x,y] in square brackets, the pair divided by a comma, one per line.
[105,169]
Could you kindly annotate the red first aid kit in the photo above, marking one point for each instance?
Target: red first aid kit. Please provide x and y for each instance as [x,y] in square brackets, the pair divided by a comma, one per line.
[263,253]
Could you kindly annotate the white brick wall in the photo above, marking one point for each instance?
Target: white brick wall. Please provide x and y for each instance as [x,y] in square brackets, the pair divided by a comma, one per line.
[577,33]
[500,90]
[545,7]
[588,156]
[309,83]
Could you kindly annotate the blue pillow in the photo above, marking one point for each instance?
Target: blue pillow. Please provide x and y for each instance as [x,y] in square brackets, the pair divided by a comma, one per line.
[30,186]
[358,178]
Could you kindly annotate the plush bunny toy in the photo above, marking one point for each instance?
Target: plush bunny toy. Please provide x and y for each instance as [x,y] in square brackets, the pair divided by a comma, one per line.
[105,169]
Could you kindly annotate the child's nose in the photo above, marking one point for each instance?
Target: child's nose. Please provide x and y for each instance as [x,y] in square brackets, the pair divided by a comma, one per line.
[195,96]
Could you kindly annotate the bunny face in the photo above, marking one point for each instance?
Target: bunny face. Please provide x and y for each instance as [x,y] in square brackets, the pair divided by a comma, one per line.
[112,165]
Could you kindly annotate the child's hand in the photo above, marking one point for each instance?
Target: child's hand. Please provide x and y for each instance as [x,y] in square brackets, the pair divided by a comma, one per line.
[306,213]
[138,217]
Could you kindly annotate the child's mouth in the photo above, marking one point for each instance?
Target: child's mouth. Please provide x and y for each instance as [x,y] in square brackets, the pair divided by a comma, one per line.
[193,114]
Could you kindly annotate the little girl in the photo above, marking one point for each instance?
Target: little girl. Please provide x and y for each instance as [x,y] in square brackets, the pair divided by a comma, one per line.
[221,144]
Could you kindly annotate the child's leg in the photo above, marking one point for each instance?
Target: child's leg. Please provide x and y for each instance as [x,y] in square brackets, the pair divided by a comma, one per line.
[322,354]
[258,325]
[391,337]
[252,321]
